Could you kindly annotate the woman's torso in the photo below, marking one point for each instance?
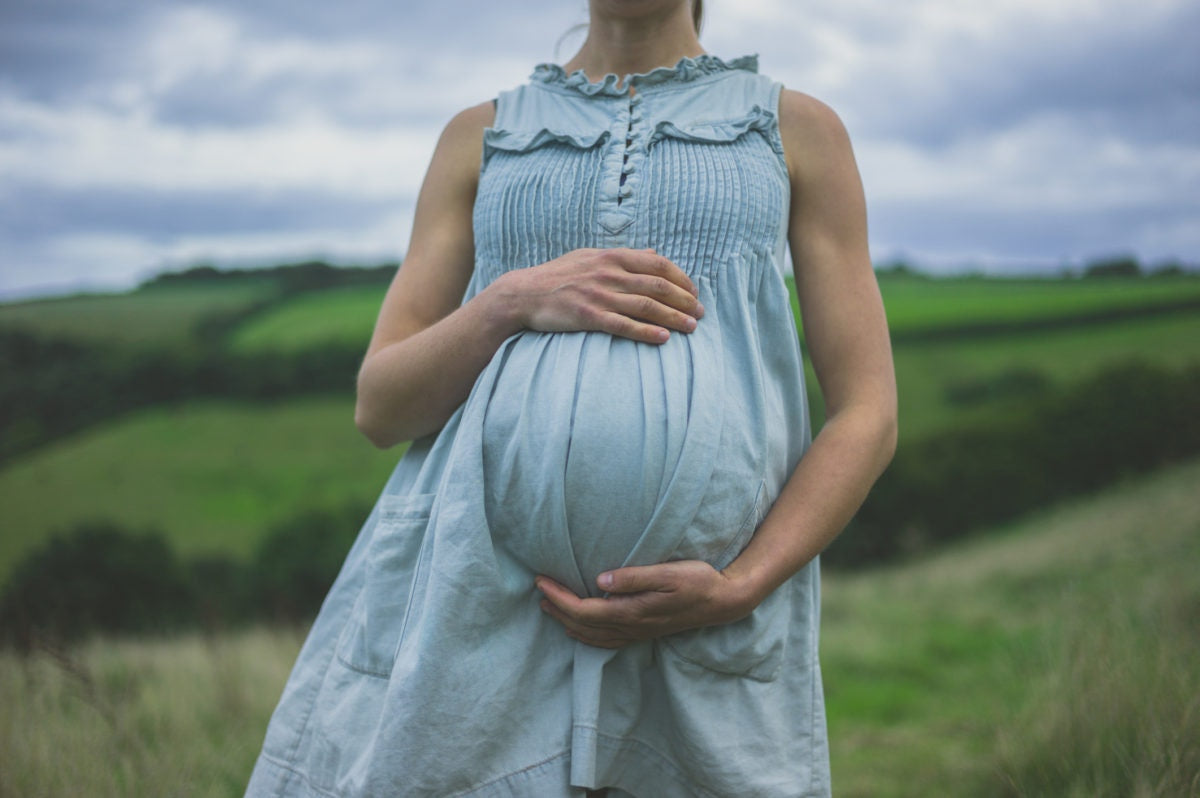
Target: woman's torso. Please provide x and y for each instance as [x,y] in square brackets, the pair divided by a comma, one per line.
[600,451]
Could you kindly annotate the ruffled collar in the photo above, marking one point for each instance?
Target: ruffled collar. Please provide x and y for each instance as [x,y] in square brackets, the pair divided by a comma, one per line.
[687,69]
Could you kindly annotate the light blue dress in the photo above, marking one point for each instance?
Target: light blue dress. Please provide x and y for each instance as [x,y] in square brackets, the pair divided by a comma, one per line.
[431,670]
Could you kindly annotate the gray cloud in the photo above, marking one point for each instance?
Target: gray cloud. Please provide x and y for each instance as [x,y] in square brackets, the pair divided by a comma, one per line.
[160,132]
[1140,82]
[30,214]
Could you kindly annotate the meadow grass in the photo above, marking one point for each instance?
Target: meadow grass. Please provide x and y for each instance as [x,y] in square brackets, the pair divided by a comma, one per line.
[1054,657]
[212,476]
[343,315]
[110,719]
[154,316]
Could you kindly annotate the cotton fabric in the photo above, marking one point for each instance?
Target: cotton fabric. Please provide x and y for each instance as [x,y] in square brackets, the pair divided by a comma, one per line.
[430,670]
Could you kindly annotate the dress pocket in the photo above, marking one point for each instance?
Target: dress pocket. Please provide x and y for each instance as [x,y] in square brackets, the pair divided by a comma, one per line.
[376,626]
[752,647]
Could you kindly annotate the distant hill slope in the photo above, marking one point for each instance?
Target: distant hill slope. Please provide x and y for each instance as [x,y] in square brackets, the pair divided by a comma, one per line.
[212,477]
[158,316]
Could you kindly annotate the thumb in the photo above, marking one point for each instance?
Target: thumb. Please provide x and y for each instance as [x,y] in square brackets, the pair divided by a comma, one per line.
[634,579]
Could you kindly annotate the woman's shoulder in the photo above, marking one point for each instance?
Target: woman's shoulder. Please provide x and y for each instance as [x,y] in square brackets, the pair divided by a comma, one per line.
[470,122]
[809,128]
[459,146]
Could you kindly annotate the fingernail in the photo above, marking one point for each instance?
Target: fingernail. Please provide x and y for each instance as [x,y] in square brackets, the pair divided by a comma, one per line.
[605,581]
[699,310]
[662,335]
[689,323]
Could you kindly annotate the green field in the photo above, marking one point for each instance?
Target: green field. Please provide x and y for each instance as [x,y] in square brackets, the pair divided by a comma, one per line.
[213,476]
[347,315]
[210,476]
[915,303]
[924,370]
[159,315]
[1055,657]
[339,315]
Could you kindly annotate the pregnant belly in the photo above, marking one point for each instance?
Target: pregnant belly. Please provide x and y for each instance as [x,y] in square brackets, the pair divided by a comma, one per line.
[594,451]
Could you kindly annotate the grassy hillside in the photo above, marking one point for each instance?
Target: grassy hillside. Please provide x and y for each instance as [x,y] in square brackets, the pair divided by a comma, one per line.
[1053,658]
[915,303]
[160,315]
[211,476]
[343,315]
[927,372]
[214,476]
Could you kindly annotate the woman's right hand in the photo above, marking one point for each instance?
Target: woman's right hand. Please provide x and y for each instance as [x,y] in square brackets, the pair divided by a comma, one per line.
[428,349]
[632,293]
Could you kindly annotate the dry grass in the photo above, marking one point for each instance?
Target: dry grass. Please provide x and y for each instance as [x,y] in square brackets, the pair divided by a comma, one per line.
[179,717]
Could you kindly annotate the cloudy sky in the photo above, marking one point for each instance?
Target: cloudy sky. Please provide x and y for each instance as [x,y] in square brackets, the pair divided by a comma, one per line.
[1006,135]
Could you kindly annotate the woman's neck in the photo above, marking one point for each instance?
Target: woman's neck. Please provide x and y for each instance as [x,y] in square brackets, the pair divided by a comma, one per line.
[624,45]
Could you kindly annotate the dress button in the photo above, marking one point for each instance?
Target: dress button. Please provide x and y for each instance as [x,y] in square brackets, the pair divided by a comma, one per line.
[626,191]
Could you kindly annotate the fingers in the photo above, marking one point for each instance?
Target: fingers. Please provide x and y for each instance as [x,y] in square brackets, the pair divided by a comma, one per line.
[636,294]
[639,579]
[640,312]
[660,292]
[586,620]
[652,294]
[602,638]
[647,261]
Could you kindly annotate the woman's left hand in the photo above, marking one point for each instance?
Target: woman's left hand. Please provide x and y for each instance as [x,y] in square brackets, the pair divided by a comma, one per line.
[645,602]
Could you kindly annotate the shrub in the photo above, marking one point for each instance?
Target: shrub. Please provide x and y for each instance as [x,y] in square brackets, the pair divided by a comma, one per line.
[1125,420]
[95,578]
[297,561]
[1013,383]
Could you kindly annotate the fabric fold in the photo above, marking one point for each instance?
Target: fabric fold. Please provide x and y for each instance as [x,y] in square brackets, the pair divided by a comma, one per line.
[685,70]
[758,119]
[525,140]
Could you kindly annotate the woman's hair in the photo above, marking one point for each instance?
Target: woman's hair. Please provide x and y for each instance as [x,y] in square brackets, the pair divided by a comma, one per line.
[697,14]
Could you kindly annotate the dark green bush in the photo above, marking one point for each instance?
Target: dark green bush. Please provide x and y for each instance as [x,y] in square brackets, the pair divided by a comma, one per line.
[1013,383]
[1120,266]
[1125,420]
[297,561]
[95,578]
[55,388]
[100,578]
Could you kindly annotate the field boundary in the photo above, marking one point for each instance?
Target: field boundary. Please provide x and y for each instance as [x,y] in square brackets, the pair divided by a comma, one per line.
[986,329]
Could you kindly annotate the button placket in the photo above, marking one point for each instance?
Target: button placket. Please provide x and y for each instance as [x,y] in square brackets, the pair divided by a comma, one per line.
[628,168]
[620,185]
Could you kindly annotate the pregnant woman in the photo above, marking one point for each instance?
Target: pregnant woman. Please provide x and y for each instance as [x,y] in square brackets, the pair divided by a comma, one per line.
[594,572]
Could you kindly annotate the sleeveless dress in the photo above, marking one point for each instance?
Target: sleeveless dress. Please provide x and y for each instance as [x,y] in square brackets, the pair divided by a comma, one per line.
[430,669]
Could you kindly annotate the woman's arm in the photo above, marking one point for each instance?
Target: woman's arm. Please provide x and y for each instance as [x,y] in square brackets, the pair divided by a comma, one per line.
[427,350]
[846,332]
[847,336]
